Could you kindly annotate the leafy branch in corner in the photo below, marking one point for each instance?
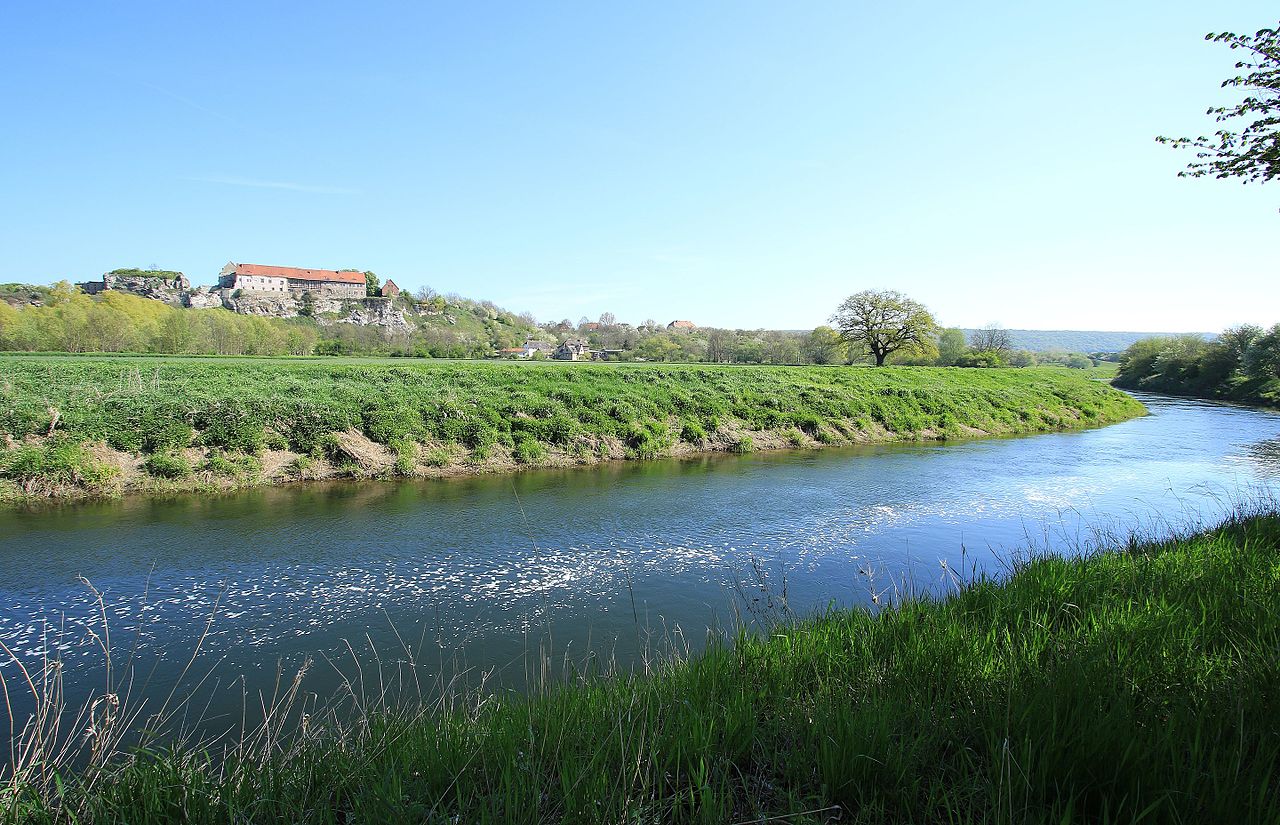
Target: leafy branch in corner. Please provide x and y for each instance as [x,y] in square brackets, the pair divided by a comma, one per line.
[1252,153]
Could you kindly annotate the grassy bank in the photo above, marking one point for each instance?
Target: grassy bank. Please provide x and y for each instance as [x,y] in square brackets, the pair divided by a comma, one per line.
[1136,685]
[84,426]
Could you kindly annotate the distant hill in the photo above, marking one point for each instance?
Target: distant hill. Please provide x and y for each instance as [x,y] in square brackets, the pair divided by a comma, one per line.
[1074,340]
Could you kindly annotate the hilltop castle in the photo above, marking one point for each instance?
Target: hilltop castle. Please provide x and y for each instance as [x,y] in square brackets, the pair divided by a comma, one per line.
[284,280]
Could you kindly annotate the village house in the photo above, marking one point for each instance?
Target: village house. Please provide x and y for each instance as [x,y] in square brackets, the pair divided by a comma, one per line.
[529,349]
[347,283]
[682,326]
[389,289]
[573,349]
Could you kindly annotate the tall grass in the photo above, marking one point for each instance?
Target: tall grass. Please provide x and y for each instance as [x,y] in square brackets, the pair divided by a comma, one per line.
[1140,684]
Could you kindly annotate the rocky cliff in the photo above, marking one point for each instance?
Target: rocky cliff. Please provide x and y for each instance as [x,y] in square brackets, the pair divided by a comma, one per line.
[382,312]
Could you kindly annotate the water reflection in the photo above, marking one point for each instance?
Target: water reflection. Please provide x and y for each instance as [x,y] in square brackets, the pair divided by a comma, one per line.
[1265,456]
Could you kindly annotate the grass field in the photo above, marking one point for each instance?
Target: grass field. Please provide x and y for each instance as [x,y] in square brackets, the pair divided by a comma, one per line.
[1136,685]
[102,425]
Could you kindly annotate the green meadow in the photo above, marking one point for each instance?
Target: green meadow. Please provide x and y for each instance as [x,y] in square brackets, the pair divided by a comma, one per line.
[102,425]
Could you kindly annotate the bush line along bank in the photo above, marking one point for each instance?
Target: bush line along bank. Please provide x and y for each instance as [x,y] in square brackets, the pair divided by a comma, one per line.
[1138,685]
[98,425]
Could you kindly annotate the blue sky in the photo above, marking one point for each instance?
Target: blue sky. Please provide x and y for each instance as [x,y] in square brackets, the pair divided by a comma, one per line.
[738,164]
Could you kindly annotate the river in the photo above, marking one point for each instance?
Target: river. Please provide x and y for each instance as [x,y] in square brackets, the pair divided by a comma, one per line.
[612,559]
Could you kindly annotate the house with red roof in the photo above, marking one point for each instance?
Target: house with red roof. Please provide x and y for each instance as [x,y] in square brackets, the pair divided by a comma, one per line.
[285,280]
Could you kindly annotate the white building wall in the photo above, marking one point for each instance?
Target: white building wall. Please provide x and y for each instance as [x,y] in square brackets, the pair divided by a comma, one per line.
[261,283]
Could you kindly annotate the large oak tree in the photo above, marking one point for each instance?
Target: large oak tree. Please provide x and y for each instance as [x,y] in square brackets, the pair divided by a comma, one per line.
[883,322]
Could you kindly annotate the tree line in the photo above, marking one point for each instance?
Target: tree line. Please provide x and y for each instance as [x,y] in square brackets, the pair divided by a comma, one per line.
[67,320]
[61,318]
[1242,364]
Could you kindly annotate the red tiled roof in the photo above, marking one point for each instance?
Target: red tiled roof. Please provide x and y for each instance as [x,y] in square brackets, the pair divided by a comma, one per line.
[346,276]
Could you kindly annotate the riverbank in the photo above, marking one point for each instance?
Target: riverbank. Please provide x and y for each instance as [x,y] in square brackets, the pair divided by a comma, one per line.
[102,426]
[1138,684]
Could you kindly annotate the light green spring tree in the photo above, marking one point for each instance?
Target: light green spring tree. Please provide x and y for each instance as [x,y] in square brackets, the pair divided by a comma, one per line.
[882,322]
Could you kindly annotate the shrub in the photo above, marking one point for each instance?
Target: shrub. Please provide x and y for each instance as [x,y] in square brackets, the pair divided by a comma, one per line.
[304,422]
[145,424]
[692,432]
[233,425]
[231,464]
[388,424]
[218,464]
[744,444]
[22,417]
[529,451]
[406,456]
[984,359]
[808,422]
[56,463]
[479,435]
[645,440]
[167,465]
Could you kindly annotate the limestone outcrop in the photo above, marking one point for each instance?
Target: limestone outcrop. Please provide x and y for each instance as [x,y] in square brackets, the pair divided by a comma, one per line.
[173,288]
[201,298]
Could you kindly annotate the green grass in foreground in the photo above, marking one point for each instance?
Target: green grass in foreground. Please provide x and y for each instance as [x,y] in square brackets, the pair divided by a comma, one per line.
[423,416]
[1138,685]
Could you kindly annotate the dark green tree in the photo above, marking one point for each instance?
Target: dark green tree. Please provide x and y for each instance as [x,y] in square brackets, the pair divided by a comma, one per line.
[1262,359]
[1250,152]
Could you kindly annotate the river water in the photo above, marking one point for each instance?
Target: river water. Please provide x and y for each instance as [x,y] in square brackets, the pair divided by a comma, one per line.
[478,572]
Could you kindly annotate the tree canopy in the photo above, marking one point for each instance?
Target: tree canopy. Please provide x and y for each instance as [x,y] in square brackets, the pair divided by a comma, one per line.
[1253,152]
[951,347]
[883,322]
